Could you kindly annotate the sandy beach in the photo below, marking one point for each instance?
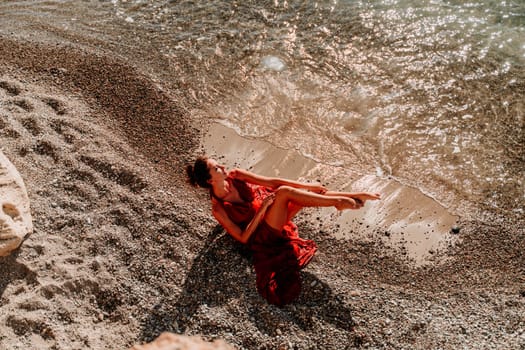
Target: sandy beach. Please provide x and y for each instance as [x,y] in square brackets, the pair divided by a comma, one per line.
[123,249]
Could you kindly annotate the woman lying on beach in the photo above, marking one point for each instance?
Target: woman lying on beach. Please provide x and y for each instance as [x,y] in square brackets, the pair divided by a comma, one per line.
[257,211]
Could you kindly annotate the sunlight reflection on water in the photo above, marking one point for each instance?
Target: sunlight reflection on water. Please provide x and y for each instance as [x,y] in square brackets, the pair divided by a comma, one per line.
[431,92]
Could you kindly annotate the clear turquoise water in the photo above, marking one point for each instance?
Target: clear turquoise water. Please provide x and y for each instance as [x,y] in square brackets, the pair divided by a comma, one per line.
[430,92]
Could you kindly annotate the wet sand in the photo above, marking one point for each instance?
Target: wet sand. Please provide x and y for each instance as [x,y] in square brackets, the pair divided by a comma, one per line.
[410,223]
[122,249]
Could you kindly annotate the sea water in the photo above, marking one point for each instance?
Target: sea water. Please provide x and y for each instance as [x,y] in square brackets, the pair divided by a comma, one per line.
[428,92]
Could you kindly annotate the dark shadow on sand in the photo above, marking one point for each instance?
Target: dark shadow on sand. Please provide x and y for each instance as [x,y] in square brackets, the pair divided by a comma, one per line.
[11,270]
[222,272]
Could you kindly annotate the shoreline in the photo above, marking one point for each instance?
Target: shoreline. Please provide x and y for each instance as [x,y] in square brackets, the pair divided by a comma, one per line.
[123,249]
[407,221]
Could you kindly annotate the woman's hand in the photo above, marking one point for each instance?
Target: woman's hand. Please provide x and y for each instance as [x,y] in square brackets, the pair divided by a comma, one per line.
[267,201]
[252,226]
[233,173]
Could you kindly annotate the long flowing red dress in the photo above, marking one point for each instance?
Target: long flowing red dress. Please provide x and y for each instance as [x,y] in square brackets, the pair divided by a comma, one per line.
[277,255]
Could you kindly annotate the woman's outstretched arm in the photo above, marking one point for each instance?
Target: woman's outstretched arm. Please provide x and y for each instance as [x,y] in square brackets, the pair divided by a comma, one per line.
[274,182]
[235,231]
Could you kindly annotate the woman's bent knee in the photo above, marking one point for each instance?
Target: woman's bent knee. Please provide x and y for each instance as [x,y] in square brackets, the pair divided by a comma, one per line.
[284,192]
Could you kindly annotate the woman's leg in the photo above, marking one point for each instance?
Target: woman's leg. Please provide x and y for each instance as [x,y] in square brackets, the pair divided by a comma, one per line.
[360,196]
[288,201]
[294,207]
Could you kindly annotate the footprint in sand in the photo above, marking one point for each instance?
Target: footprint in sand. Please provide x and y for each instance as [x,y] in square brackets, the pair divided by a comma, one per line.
[10,88]
[49,129]
[57,105]
[23,104]
[23,325]
[113,172]
[31,125]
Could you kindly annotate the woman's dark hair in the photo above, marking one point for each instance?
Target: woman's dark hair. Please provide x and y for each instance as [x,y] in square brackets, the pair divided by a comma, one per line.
[198,174]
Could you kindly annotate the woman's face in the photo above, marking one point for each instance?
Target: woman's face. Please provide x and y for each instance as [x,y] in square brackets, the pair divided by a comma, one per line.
[216,170]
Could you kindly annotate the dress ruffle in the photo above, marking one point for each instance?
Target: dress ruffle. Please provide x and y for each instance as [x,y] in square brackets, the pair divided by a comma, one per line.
[278,255]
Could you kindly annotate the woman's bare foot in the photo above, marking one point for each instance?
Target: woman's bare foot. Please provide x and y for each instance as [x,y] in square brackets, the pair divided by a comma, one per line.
[348,203]
[365,196]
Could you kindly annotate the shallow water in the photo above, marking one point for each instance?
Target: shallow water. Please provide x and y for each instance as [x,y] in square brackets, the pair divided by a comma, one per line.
[430,93]
[411,224]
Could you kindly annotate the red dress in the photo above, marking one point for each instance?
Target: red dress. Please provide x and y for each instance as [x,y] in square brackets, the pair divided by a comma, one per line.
[277,255]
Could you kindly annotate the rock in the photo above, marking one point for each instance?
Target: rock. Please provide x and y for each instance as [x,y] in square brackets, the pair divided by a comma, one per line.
[15,215]
[170,341]
[455,229]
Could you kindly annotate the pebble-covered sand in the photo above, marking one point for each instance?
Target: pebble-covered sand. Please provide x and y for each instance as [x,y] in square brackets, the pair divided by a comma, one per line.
[123,249]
